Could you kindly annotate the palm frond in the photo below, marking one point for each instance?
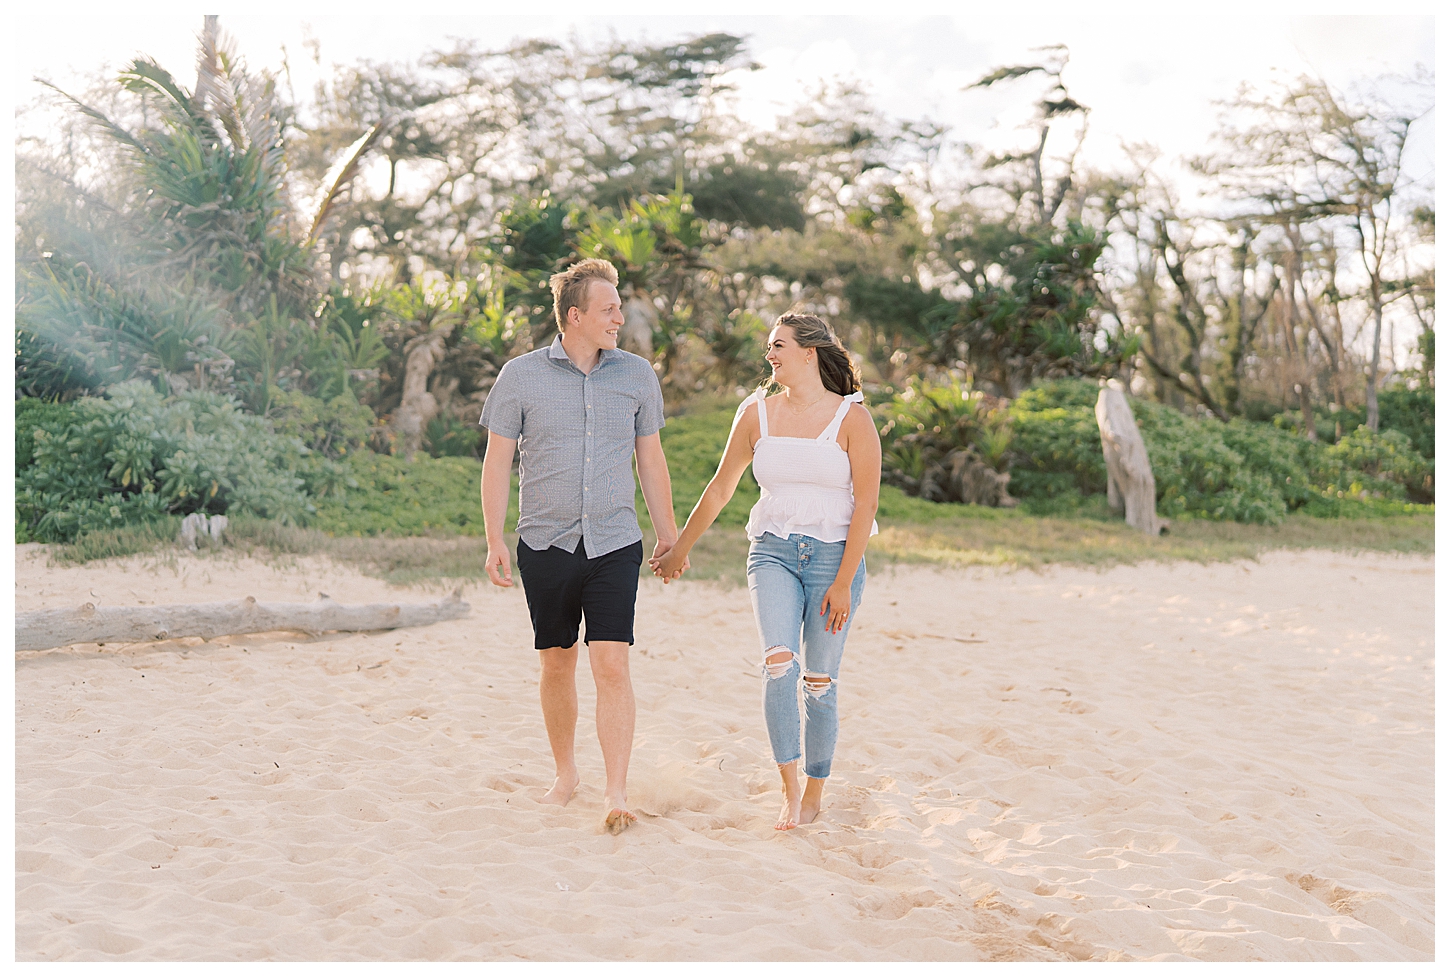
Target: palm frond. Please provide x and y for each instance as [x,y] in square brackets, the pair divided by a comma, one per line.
[1006,74]
[117,132]
[145,75]
[259,105]
[214,88]
[338,177]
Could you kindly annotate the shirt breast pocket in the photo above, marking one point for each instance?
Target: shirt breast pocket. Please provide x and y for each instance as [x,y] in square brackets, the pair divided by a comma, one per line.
[616,421]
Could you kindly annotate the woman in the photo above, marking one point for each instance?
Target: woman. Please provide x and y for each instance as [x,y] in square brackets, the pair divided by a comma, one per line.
[817,458]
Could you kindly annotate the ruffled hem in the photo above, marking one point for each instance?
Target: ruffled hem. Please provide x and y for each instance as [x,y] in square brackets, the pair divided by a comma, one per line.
[823,519]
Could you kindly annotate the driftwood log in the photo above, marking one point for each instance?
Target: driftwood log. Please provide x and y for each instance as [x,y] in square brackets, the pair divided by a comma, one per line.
[39,630]
[1130,476]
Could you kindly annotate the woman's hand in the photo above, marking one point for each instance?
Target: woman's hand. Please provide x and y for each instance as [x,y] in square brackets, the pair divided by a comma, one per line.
[836,607]
[670,564]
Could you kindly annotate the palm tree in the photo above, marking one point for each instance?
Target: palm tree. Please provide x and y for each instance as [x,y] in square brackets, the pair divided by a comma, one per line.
[213,242]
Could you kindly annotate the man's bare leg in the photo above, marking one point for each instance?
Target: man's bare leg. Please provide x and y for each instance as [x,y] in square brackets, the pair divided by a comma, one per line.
[811,799]
[614,722]
[560,699]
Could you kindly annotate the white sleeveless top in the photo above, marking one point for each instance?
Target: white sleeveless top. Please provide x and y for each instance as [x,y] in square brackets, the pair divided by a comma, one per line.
[805,483]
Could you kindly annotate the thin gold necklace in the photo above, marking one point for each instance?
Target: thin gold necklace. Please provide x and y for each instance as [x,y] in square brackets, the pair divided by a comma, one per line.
[801,410]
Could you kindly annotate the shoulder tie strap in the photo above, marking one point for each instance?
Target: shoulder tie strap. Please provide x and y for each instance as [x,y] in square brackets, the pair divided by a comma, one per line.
[829,434]
[760,407]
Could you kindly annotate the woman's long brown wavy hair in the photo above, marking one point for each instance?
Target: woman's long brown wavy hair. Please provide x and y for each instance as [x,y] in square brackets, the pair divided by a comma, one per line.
[838,373]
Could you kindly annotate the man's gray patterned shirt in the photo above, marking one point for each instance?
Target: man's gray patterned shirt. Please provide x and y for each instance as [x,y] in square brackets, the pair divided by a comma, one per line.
[576,438]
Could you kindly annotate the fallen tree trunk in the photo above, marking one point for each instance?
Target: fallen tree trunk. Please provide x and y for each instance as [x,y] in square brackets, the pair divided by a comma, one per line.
[1130,476]
[39,630]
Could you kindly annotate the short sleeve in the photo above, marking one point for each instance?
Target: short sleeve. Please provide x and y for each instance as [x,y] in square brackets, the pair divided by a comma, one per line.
[650,416]
[503,410]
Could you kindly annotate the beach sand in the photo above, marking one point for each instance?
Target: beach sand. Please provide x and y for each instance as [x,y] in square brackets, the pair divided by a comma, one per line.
[1221,762]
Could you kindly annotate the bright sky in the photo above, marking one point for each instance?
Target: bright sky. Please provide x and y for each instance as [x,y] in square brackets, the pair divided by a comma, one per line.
[1146,76]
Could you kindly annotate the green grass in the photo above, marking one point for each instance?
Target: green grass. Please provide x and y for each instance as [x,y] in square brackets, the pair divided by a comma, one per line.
[1023,540]
[125,541]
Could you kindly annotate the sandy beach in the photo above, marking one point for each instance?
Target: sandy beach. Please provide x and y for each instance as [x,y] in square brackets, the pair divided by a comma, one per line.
[1221,762]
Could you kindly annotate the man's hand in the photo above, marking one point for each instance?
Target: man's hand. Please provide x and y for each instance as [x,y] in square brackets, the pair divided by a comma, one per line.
[498,568]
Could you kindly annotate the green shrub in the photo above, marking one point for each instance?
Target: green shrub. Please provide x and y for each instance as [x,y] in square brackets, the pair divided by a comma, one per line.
[925,427]
[448,437]
[393,497]
[1412,413]
[136,457]
[1055,449]
[1245,471]
[332,428]
[1198,474]
[30,414]
[1059,393]
[1383,465]
[1286,458]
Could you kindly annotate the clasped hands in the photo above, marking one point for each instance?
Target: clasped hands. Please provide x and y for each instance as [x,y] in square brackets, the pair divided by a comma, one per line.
[666,563]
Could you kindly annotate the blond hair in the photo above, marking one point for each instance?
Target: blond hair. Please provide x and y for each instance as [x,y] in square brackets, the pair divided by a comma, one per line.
[571,286]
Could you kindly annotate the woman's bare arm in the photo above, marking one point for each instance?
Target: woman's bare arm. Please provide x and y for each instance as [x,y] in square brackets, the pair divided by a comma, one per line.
[863,447]
[739,452]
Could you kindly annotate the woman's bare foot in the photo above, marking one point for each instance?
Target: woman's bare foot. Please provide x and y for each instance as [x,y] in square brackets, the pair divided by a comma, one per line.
[562,791]
[812,799]
[790,809]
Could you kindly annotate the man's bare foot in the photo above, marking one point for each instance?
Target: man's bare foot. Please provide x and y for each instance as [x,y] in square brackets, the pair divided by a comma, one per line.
[812,800]
[618,820]
[562,791]
[790,808]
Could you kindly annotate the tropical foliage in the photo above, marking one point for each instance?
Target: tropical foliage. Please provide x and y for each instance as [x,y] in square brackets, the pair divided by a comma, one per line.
[226,301]
[136,456]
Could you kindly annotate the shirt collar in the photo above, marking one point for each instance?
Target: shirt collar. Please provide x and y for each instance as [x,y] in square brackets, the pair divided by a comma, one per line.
[556,351]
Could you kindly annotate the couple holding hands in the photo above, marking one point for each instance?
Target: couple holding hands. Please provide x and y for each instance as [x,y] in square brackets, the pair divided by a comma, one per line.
[577,412]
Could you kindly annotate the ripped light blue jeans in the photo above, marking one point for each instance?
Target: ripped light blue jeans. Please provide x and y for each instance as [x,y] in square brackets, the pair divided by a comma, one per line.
[788,580]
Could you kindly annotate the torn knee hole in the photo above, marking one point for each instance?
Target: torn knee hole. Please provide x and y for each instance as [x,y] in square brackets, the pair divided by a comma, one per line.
[777,661]
[816,684]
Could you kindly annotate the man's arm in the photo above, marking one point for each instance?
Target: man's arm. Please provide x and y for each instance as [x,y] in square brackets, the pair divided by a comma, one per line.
[498,462]
[654,481]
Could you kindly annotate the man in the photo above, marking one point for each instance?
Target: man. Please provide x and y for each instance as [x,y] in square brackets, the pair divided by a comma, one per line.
[577,411]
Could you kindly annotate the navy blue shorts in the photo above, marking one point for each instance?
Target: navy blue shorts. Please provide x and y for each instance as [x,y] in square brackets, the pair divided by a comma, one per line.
[560,587]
